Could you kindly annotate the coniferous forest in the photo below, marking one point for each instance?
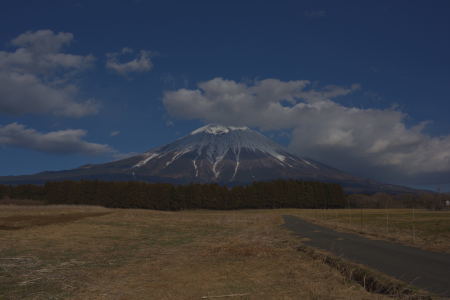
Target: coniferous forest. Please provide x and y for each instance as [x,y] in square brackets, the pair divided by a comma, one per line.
[161,196]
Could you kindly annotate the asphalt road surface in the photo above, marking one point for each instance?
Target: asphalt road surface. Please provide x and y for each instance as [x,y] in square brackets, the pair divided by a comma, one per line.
[424,269]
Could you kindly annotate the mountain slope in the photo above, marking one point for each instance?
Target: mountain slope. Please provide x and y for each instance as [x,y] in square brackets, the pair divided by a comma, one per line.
[213,153]
[226,154]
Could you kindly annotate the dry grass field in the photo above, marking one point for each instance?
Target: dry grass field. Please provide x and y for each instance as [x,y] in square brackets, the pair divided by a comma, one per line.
[80,252]
[422,228]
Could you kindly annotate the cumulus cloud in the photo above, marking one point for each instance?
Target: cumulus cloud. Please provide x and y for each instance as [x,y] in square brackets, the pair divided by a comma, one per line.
[140,63]
[269,104]
[22,93]
[43,41]
[374,143]
[68,141]
[35,78]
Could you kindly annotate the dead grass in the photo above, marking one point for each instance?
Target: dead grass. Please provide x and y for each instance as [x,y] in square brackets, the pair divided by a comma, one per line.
[24,221]
[426,229]
[8,201]
[143,254]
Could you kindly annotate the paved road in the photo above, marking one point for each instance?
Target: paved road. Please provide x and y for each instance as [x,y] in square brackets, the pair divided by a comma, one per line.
[424,269]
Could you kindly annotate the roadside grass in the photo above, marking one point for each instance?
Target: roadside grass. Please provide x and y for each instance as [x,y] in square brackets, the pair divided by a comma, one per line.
[421,228]
[144,254]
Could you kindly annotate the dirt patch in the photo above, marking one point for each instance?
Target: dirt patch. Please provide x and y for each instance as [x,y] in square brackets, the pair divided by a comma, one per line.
[27,221]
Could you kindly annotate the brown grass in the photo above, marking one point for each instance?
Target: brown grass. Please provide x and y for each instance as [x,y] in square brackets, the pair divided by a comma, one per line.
[24,221]
[28,202]
[142,254]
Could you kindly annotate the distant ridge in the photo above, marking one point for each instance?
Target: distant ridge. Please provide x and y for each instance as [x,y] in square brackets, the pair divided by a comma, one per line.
[213,153]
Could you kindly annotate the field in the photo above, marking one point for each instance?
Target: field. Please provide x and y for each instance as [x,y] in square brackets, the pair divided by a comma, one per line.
[421,228]
[81,252]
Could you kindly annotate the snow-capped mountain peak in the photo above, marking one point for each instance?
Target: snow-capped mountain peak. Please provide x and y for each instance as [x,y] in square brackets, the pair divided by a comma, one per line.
[217,129]
[221,153]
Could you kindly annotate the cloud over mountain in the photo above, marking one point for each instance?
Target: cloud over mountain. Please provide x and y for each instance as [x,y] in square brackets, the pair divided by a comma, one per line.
[370,142]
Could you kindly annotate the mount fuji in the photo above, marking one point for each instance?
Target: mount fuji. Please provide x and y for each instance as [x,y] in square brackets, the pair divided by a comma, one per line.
[214,153]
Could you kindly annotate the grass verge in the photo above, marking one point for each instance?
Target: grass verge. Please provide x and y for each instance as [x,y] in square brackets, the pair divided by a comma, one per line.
[370,280]
[426,229]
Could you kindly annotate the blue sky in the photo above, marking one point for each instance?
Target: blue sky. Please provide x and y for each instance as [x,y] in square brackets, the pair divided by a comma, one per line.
[360,85]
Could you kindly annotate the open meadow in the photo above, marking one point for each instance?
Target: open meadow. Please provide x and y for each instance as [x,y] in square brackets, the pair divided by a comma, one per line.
[88,252]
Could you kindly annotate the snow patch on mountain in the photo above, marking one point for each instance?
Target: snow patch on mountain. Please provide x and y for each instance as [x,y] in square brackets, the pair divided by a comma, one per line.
[309,163]
[148,157]
[236,167]
[194,162]
[214,167]
[217,129]
[177,155]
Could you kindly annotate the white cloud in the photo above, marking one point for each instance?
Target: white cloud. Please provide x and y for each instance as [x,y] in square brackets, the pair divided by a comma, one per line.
[369,142]
[141,63]
[35,77]
[22,93]
[269,104]
[68,141]
[114,133]
[43,41]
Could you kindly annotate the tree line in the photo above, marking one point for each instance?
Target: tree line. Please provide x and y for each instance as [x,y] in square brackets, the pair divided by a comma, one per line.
[162,196]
